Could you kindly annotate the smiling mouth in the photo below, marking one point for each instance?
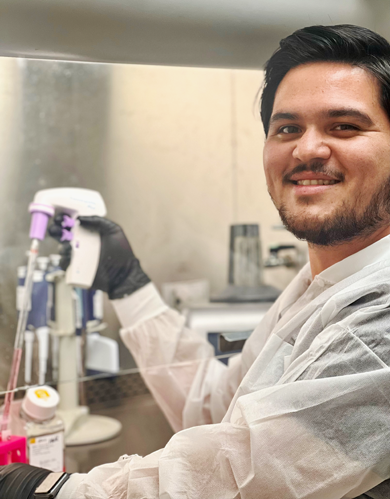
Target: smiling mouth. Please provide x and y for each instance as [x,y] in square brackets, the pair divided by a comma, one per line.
[315,182]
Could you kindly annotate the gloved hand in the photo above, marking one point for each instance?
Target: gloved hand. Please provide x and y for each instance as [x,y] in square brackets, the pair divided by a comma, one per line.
[19,480]
[119,272]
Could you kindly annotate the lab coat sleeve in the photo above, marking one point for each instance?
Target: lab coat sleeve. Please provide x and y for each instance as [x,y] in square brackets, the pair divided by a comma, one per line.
[322,435]
[177,364]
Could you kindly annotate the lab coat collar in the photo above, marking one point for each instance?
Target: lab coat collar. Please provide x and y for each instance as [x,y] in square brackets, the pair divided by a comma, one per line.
[352,264]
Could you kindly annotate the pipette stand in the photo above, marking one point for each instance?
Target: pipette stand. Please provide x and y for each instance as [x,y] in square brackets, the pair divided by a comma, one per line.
[13,450]
[81,428]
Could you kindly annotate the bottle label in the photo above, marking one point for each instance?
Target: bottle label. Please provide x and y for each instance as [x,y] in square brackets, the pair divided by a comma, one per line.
[47,451]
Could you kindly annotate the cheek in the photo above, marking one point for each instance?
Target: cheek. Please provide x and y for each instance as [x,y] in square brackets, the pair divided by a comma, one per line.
[365,162]
[274,160]
[381,167]
[364,171]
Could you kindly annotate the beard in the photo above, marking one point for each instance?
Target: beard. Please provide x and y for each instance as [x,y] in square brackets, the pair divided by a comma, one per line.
[347,223]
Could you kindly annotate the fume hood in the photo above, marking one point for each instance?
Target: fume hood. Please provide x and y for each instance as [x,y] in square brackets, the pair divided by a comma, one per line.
[209,33]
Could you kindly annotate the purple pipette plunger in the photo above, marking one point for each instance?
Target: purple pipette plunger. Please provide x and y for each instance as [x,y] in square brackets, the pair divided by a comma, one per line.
[40,217]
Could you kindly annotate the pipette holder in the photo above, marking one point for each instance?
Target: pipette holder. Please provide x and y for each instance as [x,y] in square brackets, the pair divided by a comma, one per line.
[80,426]
[13,450]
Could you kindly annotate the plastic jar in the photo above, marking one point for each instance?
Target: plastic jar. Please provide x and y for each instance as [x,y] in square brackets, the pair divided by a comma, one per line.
[43,428]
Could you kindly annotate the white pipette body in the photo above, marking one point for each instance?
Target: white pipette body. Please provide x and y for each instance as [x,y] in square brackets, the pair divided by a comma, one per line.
[85,244]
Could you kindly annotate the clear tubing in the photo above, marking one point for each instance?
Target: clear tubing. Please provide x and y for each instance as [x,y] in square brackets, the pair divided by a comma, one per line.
[18,346]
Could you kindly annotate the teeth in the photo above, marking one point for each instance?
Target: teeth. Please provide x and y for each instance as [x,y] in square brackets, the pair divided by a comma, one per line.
[316,182]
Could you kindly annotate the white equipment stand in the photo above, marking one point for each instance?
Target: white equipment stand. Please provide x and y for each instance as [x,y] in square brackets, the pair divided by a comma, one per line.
[81,428]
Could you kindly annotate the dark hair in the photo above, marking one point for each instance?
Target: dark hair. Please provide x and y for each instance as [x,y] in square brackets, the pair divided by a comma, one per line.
[342,43]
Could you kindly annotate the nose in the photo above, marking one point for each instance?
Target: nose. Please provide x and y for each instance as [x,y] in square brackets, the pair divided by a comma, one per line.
[310,146]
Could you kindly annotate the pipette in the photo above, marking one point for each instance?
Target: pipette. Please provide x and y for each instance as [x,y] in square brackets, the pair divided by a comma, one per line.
[40,218]
[81,272]
[18,345]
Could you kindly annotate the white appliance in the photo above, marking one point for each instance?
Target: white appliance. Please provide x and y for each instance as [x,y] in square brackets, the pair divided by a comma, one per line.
[226,325]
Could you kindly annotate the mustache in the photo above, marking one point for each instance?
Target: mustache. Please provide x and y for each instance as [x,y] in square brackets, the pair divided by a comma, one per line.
[314,167]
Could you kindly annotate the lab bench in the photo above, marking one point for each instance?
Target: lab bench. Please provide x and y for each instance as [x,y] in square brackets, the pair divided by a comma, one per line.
[144,430]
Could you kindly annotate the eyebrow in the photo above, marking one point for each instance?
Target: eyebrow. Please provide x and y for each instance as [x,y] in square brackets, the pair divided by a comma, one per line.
[283,116]
[351,113]
[332,113]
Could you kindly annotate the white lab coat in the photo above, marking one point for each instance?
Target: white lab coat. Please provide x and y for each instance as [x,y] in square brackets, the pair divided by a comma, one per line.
[302,413]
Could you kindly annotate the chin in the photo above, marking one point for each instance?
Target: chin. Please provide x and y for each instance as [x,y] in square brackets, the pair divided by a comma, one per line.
[315,228]
[309,221]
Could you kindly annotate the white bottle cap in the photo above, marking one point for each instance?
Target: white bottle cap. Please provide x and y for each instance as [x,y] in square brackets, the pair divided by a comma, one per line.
[41,402]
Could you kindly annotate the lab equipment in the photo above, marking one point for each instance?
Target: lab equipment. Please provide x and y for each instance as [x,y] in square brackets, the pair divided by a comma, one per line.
[54,262]
[92,306]
[276,260]
[79,324]
[43,331]
[18,345]
[85,253]
[245,282]
[215,321]
[245,264]
[13,450]
[38,316]
[43,342]
[43,263]
[54,265]
[13,447]
[43,428]
[80,426]
[81,271]
[29,337]
[119,272]
[85,256]
[183,294]
[102,354]
[73,202]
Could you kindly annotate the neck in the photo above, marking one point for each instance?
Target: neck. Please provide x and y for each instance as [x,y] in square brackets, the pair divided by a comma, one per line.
[323,257]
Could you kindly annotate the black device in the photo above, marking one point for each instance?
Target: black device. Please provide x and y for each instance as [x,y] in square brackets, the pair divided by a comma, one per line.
[51,485]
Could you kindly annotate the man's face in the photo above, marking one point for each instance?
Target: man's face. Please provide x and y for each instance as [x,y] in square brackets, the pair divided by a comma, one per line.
[327,154]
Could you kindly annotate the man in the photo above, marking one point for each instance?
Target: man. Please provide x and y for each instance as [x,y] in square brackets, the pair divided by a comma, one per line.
[303,412]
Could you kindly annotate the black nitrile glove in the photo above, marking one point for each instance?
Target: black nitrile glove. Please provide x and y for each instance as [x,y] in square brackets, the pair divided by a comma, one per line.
[119,272]
[19,480]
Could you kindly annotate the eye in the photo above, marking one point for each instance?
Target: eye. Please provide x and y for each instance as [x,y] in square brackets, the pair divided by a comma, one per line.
[288,129]
[345,127]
